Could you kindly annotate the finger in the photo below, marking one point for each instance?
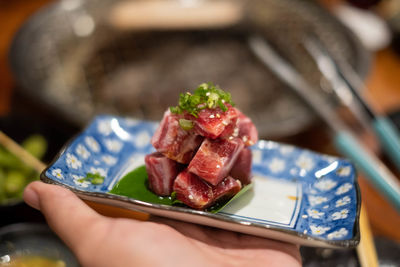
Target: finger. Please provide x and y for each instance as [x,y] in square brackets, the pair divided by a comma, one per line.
[65,213]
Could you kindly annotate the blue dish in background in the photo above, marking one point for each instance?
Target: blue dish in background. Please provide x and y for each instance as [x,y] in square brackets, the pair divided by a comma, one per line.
[298,196]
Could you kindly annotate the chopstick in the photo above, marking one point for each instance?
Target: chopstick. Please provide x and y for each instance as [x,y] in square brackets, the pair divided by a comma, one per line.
[366,250]
[328,69]
[21,153]
[343,78]
[375,171]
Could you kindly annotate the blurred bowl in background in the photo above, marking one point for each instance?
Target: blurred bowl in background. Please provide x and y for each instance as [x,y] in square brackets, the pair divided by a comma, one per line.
[19,126]
[34,243]
[70,57]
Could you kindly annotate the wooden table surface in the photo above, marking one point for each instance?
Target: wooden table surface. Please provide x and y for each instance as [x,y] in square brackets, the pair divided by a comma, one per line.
[384,94]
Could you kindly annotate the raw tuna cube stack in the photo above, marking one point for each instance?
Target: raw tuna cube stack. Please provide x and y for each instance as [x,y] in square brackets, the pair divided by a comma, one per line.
[202,149]
[214,159]
[174,142]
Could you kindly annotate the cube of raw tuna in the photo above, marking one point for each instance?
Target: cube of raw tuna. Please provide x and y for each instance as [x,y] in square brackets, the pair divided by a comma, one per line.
[246,129]
[192,190]
[241,169]
[226,189]
[174,142]
[162,172]
[196,193]
[211,123]
[214,159]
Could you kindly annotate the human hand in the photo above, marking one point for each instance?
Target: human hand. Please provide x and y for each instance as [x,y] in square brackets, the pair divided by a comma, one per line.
[101,241]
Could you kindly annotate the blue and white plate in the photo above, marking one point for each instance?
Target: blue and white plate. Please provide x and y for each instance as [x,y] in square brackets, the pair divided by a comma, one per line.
[298,196]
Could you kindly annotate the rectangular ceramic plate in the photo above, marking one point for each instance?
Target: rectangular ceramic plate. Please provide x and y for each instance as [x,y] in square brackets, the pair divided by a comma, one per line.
[298,196]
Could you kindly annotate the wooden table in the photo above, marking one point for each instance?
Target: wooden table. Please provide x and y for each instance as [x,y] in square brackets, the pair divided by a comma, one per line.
[384,93]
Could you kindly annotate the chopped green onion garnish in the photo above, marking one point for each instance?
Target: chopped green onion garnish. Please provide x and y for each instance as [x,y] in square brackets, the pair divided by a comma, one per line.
[186,124]
[206,95]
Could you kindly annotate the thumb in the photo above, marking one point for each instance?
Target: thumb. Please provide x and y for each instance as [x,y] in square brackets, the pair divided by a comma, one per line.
[66,214]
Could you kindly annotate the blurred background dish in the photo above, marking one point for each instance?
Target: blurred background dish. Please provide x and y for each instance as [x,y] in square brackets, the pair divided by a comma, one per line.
[28,244]
[387,249]
[40,137]
[16,172]
[70,56]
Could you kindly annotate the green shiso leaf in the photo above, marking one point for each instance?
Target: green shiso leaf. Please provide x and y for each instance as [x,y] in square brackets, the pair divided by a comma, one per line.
[135,185]
[220,205]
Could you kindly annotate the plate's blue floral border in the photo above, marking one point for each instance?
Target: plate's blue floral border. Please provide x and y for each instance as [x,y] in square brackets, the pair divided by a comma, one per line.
[329,204]
[329,201]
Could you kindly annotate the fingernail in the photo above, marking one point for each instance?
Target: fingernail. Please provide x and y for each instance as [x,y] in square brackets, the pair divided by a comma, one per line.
[31,197]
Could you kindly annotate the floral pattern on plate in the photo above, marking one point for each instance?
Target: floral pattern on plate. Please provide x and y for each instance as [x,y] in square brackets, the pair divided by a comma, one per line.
[321,201]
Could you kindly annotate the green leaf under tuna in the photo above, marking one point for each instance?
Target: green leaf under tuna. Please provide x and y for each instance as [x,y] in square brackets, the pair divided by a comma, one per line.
[135,185]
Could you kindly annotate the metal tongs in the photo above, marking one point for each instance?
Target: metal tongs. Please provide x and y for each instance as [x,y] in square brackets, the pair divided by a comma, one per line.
[375,171]
[347,85]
